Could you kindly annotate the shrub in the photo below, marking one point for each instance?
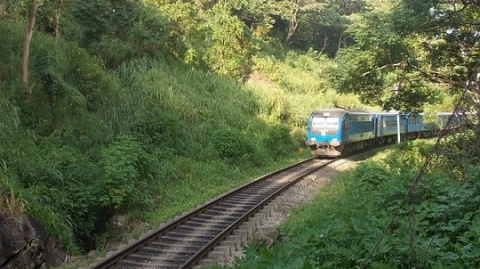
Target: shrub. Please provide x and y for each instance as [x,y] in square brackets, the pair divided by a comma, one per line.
[235,148]
[279,142]
[371,173]
[159,131]
[126,174]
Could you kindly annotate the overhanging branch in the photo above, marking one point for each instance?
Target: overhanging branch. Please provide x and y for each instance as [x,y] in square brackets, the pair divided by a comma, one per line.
[382,67]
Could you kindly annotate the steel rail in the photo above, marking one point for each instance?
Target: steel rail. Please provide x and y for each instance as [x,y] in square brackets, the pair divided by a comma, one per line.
[197,256]
[111,260]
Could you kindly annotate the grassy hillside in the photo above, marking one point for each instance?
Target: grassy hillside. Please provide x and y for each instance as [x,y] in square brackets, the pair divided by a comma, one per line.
[81,148]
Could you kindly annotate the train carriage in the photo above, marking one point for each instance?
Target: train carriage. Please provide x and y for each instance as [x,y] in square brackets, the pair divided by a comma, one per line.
[333,132]
[415,123]
[387,124]
[416,126]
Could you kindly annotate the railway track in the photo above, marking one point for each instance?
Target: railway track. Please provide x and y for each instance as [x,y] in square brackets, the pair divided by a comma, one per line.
[184,241]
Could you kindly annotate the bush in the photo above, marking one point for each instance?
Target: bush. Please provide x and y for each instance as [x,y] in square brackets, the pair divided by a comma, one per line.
[127,175]
[235,148]
[57,186]
[279,142]
[159,131]
[372,174]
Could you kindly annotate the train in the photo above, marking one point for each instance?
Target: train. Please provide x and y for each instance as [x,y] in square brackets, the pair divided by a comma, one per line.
[333,132]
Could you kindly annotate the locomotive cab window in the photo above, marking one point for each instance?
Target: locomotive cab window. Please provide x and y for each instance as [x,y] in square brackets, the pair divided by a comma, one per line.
[322,121]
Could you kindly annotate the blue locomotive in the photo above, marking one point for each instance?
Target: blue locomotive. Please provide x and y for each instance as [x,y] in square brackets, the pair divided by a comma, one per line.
[333,132]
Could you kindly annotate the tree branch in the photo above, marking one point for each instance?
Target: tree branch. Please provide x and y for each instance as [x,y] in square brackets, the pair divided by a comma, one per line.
[382,67]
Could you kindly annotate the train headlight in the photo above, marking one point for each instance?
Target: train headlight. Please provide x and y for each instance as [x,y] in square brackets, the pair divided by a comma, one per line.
[311,141]
[335,142]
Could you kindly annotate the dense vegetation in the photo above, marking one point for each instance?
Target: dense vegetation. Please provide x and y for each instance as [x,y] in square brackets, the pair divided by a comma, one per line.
[381,215]
[145,108]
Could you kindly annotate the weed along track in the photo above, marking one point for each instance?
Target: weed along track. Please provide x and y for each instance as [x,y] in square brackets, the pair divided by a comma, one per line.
[214,230]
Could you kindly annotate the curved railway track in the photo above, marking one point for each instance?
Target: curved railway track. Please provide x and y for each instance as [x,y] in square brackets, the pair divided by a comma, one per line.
[183,242]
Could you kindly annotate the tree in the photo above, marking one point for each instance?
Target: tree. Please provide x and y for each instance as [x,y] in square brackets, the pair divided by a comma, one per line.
[406,52]
[259,16]
[228,50]
[450,41]
[32,7]
[320,24]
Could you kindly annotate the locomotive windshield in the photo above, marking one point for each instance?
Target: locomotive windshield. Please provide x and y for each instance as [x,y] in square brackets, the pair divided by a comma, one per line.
[324,125]
[323,121]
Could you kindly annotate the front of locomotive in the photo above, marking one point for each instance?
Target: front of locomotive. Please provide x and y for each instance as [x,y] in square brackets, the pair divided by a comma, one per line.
[324,132]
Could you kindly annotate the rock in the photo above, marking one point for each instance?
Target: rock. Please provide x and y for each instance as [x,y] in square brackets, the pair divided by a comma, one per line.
[24,243]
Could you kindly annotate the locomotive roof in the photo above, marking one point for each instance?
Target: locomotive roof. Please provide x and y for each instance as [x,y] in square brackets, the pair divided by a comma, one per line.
[336,111]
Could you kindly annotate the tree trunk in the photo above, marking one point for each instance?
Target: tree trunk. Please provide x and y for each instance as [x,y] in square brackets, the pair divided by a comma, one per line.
[293,23]
[477,100]
[58,14]
[27,38]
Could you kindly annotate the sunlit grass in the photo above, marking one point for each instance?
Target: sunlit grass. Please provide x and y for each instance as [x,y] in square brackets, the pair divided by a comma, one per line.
[203,183]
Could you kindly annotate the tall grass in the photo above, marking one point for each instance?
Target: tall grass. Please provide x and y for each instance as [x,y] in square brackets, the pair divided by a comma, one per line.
[11,202]
[289,89]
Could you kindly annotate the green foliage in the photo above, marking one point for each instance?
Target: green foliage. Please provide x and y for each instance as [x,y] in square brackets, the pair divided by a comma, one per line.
[56,185]
[409,155]
[176,110]
[279,142]
[262,16]
[126,176]
[277,258]
[9,122]
[69,88]
[150,33]
[371,174]
[214,39]
[400,60]
[11,200]
[460,151]
[187,39]
[289,89]
[374,216]
[127,91]
[159,132]
[228,50]
[10,37]
[321,26]
[235,148]
[40,202]
[87,74]
[119,31]
[442,52]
